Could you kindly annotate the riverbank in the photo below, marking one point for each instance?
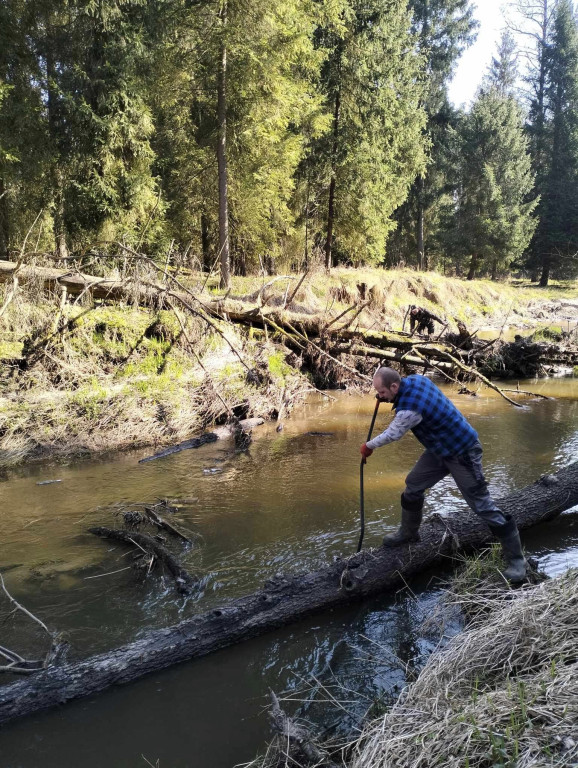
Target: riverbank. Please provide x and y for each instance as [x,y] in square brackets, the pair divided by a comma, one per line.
[81,375]
[503,692]
[500,692]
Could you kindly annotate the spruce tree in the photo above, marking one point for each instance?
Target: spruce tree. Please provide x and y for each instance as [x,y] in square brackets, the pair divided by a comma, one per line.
[268,106]
[362,167]
[444,28]
[496,200]
[556,239]
[25,153]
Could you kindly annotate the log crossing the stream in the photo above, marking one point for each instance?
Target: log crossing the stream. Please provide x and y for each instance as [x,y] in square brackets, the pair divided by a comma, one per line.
[283,600]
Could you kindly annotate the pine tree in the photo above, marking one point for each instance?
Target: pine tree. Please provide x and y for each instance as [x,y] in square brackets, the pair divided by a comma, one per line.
[495,206]
[556,240]
[361,168]
[444,28]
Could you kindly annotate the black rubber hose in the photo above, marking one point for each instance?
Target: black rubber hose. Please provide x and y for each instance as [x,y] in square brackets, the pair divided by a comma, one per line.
[361,494]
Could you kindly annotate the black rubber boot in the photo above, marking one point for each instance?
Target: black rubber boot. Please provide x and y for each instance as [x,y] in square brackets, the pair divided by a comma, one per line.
[411,515]
[514,557]
[509,538]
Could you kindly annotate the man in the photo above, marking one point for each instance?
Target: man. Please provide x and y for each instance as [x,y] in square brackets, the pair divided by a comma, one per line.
[421,319]
[452,447]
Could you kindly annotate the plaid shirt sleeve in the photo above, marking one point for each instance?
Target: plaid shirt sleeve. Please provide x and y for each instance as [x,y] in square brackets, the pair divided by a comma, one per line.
[402,423]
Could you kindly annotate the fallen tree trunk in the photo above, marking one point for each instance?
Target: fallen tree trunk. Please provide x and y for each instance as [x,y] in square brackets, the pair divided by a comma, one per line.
[284,600]
[289,323]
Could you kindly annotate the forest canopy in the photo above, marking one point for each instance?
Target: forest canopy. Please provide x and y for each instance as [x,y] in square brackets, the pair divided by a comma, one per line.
[253,136]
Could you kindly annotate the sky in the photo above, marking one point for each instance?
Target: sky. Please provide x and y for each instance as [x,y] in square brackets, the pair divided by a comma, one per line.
[475,60]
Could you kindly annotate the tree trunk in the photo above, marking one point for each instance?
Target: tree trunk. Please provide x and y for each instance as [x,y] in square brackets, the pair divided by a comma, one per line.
[540,120]
[222,161]
[61,246]
[332,185]
[4,221]
[206,243]
[75,284]
[285,599]
[55,129]
[545,276]
[306,257]
[473,266]
[419,225]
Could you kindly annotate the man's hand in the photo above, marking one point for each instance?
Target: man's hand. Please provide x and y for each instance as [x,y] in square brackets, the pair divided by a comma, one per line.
[365,452]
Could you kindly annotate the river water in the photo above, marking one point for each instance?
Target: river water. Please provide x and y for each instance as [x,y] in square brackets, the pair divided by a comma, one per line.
[288,504]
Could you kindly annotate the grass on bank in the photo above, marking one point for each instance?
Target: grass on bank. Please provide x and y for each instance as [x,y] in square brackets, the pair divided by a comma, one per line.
[504,692]
[390,292]
[120,376]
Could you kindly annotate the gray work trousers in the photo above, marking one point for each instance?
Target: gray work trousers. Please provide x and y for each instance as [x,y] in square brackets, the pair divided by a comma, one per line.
[466,469]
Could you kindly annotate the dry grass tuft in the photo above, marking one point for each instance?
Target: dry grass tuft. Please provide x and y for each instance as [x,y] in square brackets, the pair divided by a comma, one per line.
[503,693]
[344,294]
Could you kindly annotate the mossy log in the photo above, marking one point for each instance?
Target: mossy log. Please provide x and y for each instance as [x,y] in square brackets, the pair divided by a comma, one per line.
[285,599]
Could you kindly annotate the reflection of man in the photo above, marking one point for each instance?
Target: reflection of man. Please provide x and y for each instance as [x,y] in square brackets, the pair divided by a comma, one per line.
[422,319]
[452,447]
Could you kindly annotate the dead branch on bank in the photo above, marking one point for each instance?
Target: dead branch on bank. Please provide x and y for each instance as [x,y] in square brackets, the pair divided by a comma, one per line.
[477,375]
[304,340]
[315,333]
[294,744]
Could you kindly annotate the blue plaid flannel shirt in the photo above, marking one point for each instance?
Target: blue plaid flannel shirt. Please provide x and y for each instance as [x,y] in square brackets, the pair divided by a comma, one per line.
[442,429]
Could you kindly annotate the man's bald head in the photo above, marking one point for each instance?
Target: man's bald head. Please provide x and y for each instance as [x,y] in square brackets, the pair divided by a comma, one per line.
[387,376]
[386,382]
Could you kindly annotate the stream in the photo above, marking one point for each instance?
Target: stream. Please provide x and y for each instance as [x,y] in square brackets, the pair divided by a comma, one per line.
[288,504]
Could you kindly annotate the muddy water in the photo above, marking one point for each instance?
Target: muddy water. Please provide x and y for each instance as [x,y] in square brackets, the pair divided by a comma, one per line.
[289,504]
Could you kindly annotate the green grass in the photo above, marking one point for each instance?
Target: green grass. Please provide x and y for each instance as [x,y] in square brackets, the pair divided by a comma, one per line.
[10,350]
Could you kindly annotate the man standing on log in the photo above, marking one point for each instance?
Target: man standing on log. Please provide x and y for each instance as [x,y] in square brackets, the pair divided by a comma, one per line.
[422,320]
[452,447]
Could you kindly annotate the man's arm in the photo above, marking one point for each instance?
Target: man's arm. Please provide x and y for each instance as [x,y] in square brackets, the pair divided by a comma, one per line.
[436,318]
[402,423]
